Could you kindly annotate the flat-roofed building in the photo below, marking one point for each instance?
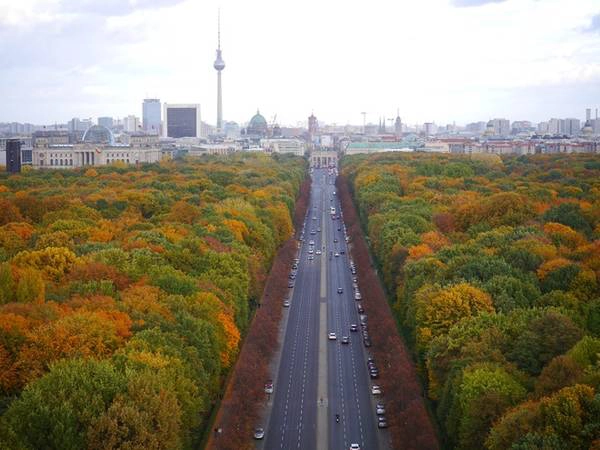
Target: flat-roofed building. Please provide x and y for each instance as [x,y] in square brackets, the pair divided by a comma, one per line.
[293,146]
[181,120]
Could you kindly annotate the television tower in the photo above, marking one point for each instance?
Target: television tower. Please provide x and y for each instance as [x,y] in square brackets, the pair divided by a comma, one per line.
[219,65]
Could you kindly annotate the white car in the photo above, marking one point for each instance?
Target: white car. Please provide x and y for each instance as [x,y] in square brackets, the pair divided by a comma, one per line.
[318,252]
[259,433]
[376,390]
[286,303]
[331,336]
[337,254]
[357,296]
[354,447]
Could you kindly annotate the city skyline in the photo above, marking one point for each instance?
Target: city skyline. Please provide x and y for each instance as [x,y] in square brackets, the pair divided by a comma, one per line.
[543,65]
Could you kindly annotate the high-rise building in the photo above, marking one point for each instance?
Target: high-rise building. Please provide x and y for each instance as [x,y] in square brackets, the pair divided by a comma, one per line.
[475,127]
[430,128]
[79,125]
[542,127]
[151,115]
[13,156]
[555,126]
[131,124]
[501,127]
[571,127]
[219,65]
[181,120]
[105,122]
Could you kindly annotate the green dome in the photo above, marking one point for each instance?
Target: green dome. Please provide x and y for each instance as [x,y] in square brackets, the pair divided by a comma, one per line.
[257,125]
[258,120]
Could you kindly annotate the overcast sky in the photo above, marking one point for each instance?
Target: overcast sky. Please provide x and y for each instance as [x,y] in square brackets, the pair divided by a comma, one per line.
[435,60]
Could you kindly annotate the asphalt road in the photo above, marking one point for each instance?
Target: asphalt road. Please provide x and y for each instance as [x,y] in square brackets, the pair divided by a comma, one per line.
[294,415]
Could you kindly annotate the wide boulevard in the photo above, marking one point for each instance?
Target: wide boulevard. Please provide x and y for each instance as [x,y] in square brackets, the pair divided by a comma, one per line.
[322,389]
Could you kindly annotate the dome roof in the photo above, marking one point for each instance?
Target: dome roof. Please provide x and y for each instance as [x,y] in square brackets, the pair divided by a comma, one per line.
[98,134]
[257,121]
[258,125]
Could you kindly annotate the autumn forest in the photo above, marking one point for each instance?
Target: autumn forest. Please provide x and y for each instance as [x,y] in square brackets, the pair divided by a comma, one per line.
[491,265]
[124,293]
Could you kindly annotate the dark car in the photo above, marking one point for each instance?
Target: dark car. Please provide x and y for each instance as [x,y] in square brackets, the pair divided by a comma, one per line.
[291,284]
[360,308]
[340,290]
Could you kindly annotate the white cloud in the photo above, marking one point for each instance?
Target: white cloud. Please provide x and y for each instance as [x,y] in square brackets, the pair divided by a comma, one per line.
[432,59]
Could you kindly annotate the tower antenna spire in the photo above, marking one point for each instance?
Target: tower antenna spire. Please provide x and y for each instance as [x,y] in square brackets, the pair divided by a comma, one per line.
[219,28]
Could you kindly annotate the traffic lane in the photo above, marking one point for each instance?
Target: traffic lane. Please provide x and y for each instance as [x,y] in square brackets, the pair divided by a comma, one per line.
[280,434]
[286,388]
[347,369]
[355,368]
[341,380]
[360,352]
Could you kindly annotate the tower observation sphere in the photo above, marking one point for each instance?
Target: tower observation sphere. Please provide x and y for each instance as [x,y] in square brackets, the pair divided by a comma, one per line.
[219,63]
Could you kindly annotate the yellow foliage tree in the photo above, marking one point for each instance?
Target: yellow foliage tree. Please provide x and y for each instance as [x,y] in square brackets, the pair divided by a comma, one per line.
[53,261]
[238,228]
[564,235]
[437,310]
[30,287]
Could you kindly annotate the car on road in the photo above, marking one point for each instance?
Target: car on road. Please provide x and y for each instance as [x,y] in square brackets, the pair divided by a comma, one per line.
[259,433]
[374,373]
[314,217]
[376,390]
[354,447]
[382,422]
[339,229]
[380,409]
[311,242]
[342,252]
[367,342]
[340,290]
[318,252]
[310,251]
[311,257]
[353,327]
[286,303]
[313,232]
[345,340]
[335,241]
[318,230]
[357,296]
[291,284]
[331,336]
[360,308]
[269,387]
[336,254]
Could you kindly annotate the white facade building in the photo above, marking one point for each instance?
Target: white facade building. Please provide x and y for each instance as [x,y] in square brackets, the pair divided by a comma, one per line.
[293,146]
[97,149]
[131,124]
